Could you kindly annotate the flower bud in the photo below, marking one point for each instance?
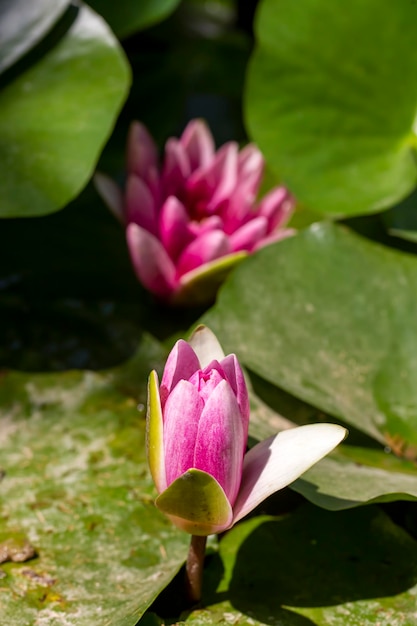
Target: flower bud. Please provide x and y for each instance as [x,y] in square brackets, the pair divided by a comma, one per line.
[197,430]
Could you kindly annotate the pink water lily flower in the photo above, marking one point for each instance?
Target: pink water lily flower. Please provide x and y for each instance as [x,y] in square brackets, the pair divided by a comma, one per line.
[192,218]
[197,429]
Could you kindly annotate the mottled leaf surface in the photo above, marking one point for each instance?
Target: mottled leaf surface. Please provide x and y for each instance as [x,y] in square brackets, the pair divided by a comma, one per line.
[76,487]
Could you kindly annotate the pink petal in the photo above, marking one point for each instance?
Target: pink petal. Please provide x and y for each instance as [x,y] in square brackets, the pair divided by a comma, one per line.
[250,169]
[276,462]
[181,419]
[220,441]
[150,261]
[277,206]
[176,168]
[225,171]
[214,222]
[142,153]
[198,143]
[111,193]
[239,207]
[181,364]
[236,379]
[247,236]
[205,381]
[237,211]
[208,187]
[211,245]
[174,227]
[206,346]
[140,206]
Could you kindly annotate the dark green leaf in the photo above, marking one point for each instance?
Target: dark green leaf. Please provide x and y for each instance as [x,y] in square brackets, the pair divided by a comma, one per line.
[126,17]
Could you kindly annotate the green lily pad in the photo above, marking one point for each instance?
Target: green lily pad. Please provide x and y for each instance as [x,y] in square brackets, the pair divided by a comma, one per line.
[338,315]
[336,120]
[352,476]
[56,117]
[23,25]
[76,489]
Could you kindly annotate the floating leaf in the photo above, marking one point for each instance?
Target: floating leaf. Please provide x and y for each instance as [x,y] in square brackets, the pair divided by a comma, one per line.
[354,476]
[336,120]
[56,117]
[328,316]
[76,488]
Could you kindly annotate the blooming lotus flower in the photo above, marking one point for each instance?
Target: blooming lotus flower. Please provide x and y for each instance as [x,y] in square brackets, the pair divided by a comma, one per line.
[197,428]
[194,217]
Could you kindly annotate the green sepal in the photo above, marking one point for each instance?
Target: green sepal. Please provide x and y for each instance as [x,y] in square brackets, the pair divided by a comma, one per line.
[196,503]
[155,433]
[201,285]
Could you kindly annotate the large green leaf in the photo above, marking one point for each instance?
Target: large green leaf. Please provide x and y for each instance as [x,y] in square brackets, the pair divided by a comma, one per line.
[310,568]
[329,317]
[23,25]
[331,100]
[56,117]
[353,476]
[76,488]
[125,17]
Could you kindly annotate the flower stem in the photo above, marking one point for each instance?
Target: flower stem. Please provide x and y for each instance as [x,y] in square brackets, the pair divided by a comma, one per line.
[194,568]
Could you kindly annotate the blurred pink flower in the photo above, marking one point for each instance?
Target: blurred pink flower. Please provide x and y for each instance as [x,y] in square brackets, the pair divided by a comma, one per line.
[191,219]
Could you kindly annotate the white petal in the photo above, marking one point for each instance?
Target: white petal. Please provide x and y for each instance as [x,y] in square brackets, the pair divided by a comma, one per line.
[276,462]
[206,346]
